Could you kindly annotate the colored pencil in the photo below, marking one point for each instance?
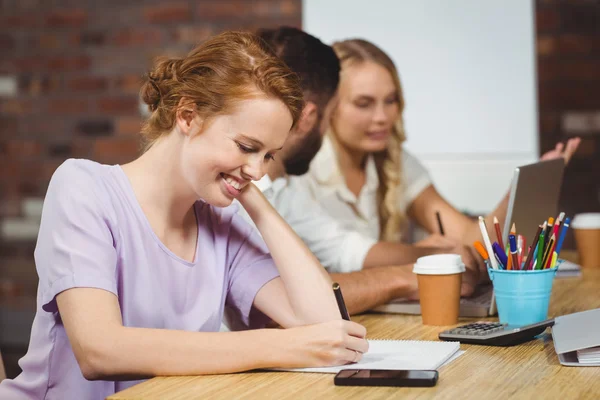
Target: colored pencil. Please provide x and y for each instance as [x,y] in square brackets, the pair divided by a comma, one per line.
[481,250]
[529,258]
[548,232]
[488,244]
[563,233]
[498,232]
[520,249]
[499,251]
[540,250]
[512,241]
[548,252]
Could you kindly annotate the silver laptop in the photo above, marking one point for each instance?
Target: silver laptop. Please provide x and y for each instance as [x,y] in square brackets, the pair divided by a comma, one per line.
[534,194]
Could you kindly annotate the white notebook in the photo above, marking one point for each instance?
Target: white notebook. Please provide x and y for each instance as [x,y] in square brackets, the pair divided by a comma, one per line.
[397,355]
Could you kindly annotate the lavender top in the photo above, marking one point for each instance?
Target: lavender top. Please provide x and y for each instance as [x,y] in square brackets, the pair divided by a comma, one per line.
[94,234]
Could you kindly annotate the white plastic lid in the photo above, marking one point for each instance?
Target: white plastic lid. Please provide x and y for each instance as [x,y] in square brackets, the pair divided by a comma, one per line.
[439,264]
[586,221]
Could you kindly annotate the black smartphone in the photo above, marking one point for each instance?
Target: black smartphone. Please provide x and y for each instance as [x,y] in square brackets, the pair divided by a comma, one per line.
[386,377]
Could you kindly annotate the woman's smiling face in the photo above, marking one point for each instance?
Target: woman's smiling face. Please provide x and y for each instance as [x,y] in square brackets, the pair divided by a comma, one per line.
[219,159]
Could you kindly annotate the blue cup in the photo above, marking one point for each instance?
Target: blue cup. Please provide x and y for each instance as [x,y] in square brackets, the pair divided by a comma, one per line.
[522,297]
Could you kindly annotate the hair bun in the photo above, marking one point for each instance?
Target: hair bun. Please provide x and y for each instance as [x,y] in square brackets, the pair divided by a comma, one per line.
[166,69]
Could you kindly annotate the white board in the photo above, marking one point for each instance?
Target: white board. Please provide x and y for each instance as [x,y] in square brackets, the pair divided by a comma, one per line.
[468,72]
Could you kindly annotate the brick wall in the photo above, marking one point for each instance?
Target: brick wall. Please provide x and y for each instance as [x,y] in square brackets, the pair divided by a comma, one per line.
[70,73]
[568,56]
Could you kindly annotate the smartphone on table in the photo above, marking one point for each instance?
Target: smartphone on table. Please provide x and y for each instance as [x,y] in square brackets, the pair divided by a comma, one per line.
[386,377]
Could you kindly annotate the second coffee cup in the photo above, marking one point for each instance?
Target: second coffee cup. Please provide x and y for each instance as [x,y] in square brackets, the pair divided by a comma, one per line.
[440,278]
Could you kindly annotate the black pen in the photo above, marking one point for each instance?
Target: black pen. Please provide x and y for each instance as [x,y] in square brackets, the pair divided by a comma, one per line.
[340,301]
[439,220]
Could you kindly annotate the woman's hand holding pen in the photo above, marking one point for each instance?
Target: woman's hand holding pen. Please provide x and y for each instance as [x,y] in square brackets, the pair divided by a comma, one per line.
[336,342]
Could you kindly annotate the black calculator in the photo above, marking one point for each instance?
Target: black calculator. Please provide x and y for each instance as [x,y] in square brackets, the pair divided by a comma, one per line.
[495,333]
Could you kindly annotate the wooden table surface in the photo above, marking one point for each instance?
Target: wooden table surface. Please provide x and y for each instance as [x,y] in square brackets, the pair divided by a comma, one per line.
[527,371]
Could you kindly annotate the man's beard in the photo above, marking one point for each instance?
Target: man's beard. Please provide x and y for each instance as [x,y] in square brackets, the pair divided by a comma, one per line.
[299,162]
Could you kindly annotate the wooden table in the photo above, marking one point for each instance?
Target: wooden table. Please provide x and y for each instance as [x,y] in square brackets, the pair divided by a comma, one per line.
[528,371]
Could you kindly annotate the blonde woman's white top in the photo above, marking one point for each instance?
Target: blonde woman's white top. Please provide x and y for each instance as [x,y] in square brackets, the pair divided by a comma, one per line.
[326,184]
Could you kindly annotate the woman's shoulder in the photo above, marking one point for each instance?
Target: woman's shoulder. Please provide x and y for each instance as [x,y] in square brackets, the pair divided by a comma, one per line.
[78,180]
[324,169]
[78,170]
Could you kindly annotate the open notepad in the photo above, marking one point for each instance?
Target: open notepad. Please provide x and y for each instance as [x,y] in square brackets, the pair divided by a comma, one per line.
[397,355]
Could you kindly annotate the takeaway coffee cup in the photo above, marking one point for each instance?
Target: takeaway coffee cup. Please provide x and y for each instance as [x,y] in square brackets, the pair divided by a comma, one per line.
[439,277]
[587,238]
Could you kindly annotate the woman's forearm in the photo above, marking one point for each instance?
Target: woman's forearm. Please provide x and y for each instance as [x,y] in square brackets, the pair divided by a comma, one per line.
[129,353]
[306,282]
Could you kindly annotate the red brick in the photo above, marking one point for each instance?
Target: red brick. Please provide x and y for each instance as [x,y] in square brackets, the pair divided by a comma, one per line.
[82,147]
[72,63]
[129,126]
[49,166]
[95,127]
[587,148]
[29,64]
[119,61]
[34,85]
[7,42]
[49,41]
[192,35]
[567,44]
[23,148]
[9,167]
[27,20]
[549,122]
[88,84]
[8,126]
[115,150]
[582,96]
[168,13]
[66,18]
[217,9]
[580,70]
[128,83]
[87,38]
[547,20]
[117,105]
[10,204]
[137,37]
[71,106]
[291,8]
[16,106]
[43,127]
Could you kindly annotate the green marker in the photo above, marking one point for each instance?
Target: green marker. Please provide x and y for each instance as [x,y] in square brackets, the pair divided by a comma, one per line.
[540,253]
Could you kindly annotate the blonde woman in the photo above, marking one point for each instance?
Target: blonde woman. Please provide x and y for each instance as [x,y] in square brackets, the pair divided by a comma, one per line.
[364,177]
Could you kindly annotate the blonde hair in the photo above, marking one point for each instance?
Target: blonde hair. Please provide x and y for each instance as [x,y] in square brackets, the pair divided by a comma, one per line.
[225,69]
[389,161]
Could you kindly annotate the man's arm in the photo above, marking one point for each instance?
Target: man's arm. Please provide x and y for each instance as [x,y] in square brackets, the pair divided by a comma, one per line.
[369,288]
[396,253]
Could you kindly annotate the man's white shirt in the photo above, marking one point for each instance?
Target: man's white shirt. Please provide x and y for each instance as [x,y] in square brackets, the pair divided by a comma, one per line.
[338,249]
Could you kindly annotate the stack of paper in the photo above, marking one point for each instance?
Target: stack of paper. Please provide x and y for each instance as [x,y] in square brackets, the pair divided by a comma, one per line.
[589,356]
[398,355]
